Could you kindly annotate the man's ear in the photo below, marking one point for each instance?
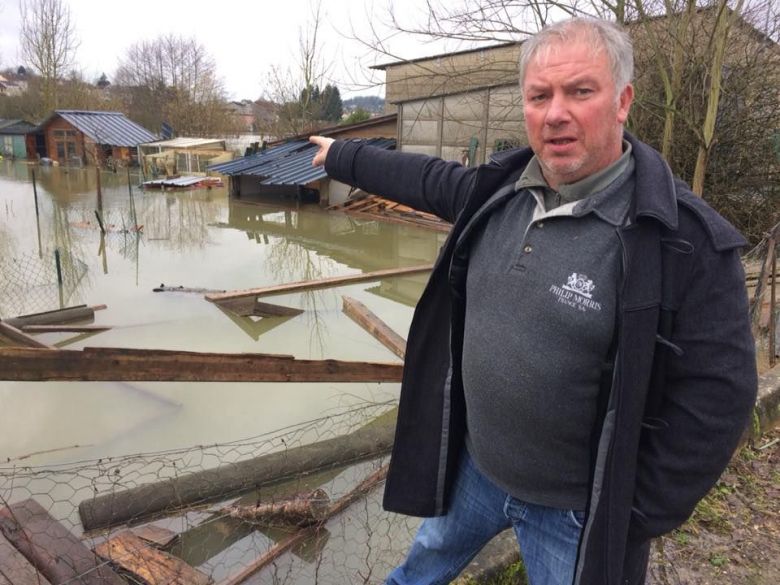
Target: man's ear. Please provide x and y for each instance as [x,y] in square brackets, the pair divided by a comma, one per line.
[625,99]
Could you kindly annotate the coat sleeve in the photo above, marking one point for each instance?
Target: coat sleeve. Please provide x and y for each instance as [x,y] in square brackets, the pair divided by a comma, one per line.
[710,390]
[423,182]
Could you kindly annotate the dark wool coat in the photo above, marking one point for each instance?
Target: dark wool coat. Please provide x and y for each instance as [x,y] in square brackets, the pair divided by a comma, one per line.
[676,395]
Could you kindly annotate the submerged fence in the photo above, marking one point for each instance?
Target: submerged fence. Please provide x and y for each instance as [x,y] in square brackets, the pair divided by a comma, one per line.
[100,521]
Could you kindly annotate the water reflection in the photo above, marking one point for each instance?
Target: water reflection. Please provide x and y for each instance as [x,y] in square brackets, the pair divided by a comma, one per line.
[365,245]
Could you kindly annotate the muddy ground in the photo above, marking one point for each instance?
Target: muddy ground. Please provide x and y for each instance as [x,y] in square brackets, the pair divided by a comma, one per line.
[734,536]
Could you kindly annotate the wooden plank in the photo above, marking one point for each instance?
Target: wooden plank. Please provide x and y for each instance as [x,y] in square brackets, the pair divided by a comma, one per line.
[17,337]
[156,535]
[152,566]
[439,227]
[248,307]
[766,314]
[52,548]
[15,569]
[316,284]
[67,315]
[64,328]
[146,365]
[383,333]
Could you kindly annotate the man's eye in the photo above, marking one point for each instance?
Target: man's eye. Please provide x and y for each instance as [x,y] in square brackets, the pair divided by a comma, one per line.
[538,97]
[583,91]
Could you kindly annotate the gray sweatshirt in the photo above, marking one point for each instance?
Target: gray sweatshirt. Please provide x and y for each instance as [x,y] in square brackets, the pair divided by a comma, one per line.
[540,316]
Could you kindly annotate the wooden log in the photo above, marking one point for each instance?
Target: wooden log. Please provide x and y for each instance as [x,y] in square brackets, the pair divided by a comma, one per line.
[67,315]
[20,338]
[316,284]
[15,569]
[301,510]
[51,548]
[153,567]
[364,317]
[64,328]
[232,530]
[306,533]
[185,289]
[102,364]
[226,481]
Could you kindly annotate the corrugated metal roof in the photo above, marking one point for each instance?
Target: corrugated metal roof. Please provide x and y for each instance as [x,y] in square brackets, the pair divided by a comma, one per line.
[111,128]
[15,126]
[183,142]
[287,164]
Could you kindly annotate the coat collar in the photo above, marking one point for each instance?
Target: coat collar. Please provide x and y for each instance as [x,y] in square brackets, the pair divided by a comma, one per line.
[655,194]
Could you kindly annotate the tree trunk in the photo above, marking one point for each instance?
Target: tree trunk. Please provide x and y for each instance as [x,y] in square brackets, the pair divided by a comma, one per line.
[718,40]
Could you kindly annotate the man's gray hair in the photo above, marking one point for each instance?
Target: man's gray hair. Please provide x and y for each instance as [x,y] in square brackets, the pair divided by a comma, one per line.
[600,35]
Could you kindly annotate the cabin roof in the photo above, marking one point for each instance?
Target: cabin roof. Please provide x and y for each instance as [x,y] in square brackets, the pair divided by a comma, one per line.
[287,164]
[16,126]
[110,128]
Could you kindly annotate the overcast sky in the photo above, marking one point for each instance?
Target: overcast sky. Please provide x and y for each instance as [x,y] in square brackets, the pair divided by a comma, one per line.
[244,37]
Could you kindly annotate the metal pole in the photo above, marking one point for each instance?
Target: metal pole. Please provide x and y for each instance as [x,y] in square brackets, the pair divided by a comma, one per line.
[100,222]
[99,190]
[59,265]
[132,202]
[35,192]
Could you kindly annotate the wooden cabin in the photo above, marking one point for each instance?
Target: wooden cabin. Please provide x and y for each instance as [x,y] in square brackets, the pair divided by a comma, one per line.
[92,137]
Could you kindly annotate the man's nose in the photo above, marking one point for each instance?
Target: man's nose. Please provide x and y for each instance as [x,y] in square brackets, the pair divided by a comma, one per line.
[557,111]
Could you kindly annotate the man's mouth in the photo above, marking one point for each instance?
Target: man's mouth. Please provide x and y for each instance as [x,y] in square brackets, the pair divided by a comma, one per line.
[560,141]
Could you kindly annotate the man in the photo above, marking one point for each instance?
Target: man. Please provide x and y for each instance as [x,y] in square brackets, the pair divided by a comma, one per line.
[580,366]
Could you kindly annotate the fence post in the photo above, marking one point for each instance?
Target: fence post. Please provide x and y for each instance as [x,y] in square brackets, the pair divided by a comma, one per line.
[58,265]
[35,192]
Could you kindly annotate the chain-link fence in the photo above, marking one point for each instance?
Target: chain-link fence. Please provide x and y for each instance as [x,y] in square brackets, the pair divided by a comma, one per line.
[29,281]
[298,505]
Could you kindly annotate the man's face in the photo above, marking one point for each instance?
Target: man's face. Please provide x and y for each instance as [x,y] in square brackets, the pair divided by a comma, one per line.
[572,117]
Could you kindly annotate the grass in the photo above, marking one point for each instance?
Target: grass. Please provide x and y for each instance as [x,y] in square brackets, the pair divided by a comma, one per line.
[514,574]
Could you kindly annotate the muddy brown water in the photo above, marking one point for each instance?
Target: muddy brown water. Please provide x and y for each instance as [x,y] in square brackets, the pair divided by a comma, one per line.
[198,239]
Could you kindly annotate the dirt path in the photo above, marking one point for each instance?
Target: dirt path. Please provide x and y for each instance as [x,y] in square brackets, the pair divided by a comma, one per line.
[734,535]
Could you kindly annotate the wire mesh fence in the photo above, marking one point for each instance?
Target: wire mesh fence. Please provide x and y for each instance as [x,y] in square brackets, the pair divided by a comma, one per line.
[29,281]
[179,516]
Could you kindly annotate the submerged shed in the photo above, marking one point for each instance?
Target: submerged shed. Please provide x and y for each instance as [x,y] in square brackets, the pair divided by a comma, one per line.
[287,170]
[181,155]
[17,138]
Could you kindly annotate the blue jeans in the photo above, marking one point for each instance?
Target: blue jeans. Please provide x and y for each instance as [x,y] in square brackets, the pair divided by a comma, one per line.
[478,511]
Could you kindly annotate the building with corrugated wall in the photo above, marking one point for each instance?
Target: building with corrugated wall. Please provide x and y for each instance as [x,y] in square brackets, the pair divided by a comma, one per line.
[459,106]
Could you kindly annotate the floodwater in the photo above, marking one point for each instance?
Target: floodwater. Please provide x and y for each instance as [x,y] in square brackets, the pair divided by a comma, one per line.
[197,239]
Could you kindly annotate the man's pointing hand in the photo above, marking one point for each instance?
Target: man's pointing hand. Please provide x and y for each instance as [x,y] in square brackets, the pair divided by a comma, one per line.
[324,144]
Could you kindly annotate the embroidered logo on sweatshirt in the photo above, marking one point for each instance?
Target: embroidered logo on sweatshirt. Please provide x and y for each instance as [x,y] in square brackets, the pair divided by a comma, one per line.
[577,293]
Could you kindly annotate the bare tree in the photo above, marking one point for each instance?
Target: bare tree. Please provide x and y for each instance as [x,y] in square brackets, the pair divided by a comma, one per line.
[48,43]
[296,88]
[174,79]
